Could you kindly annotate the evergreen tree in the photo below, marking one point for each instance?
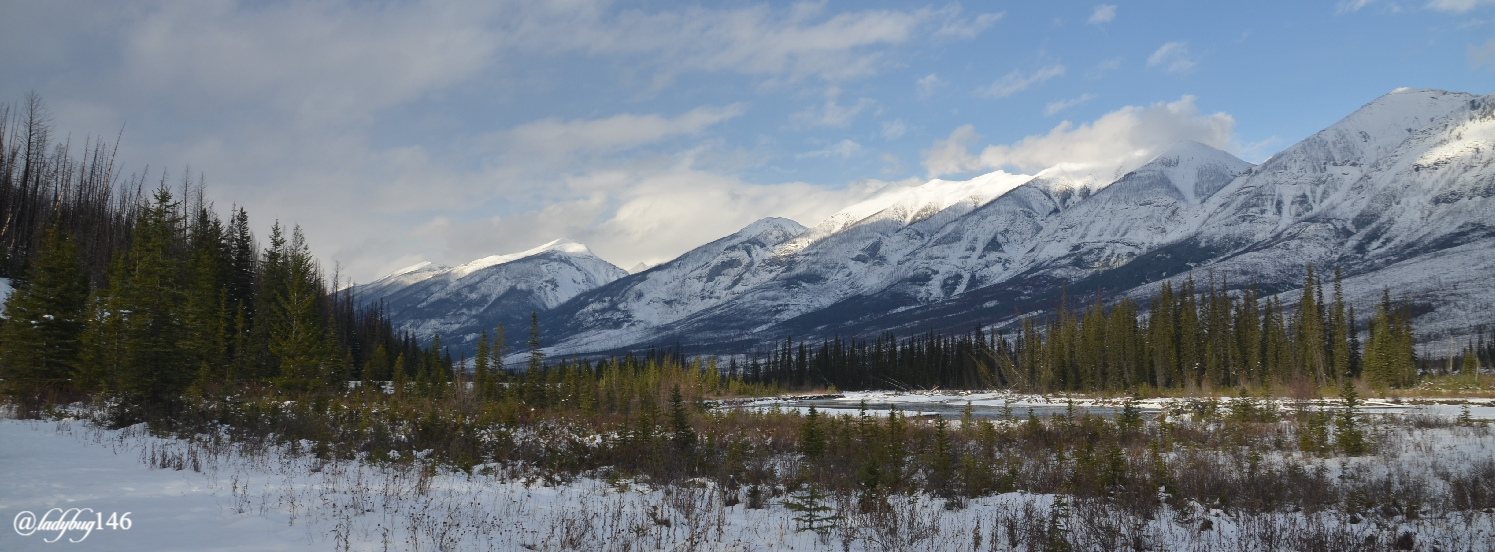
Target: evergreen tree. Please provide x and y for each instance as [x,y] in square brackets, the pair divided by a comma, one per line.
[1339,332]
[681,433]
[146,297]
[206,340]
[45,316]
[809,506]
[1347,434]
[298,336]
[811,436]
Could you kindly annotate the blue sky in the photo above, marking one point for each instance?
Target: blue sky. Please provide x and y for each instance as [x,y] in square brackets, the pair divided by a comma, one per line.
[398,132]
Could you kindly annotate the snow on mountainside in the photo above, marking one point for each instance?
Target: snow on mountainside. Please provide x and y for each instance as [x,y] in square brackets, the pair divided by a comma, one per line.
[631,309]
[458,302]
[911,204]
[1398,193]
[787,275]
[1416,217]
[1393,217]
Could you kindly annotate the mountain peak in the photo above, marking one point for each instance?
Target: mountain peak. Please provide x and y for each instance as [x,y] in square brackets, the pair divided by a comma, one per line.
[908,202]
[562,245]
[770,223]
[1190,148]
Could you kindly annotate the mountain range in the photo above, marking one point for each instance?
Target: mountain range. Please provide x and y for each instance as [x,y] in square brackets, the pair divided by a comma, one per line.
[1396,195]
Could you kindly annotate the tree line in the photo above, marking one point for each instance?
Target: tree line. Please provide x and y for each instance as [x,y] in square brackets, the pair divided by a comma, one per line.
[185,301]
[1213,338]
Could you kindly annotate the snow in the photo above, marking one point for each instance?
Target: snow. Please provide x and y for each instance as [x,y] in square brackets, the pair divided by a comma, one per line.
[5,290]
[279,501]
[417,267]
[907,203]
[562,245]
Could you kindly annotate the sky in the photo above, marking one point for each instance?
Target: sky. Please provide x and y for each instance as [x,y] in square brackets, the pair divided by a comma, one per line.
[396,132]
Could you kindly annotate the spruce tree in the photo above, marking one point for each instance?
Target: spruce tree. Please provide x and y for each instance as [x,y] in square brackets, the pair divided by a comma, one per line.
[811,436]
[206,324]
[682,435]
[1339,332]
[45,316]
[146,297]
[297,334]
[534,375]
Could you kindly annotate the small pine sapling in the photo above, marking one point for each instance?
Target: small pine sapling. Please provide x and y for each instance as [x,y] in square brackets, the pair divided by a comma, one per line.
[1347,433]
[809,505]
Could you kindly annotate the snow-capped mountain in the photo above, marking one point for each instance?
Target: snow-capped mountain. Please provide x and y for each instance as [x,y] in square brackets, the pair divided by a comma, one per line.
[1396,194]
[632,309]
[458,302]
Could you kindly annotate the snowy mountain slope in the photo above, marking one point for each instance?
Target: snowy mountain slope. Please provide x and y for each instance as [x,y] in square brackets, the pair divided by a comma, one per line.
[1395,184]
[1319,171]
[933,242]
[1398,221]
[1396,194]
[1416,216]
[852,252]
[631,309]
[458,302]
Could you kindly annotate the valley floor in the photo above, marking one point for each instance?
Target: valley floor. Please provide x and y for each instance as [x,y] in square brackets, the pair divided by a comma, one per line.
[191,496]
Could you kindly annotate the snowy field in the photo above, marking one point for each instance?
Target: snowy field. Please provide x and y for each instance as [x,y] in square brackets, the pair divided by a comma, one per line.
[197,496]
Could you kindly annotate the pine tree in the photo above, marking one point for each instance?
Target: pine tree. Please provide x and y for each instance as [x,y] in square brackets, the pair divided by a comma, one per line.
[480,360]
[297,334]
[146,297]
[811,436]
[1308,333]
[206,340]
[45,316]
[1347,434]
[681,433]
[534,375]
[812,514]
[1339,331]
[377,367]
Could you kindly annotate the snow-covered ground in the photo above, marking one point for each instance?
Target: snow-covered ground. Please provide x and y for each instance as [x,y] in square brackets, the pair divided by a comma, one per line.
[990,404]
[197,496]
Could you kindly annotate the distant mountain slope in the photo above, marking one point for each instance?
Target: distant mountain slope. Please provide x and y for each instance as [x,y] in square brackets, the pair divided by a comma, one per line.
[459,302]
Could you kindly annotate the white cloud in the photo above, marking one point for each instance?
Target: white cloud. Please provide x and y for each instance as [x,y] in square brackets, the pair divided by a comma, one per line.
[649,215]
[956,27]
[891,165]
[1351,6]
[891,130]
[1458,6]
[757,40]
[553,137]
[844,149]
[1173,57]
[1481,56]
[1104,13]
[952,155]
[1016,81]
[1118,137]
[831,113]
[1104,67]
[927,85]
[1061,105]
[319,60]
